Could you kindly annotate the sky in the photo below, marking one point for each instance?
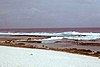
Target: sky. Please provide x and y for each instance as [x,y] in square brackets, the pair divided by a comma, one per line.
[49,13]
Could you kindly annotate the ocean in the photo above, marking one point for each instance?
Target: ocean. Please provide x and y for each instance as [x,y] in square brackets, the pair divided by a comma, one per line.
[51,30]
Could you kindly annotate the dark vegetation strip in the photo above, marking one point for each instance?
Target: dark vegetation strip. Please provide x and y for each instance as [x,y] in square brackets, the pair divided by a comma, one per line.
[70,50]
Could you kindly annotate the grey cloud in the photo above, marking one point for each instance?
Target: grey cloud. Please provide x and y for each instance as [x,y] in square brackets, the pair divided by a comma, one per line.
[49,13]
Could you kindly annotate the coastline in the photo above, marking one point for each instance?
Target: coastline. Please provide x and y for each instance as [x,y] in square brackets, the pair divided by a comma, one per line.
[24,57]
[71,42]
[68,50]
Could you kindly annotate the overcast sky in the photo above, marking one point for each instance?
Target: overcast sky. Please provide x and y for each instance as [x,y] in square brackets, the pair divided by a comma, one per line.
[49,13]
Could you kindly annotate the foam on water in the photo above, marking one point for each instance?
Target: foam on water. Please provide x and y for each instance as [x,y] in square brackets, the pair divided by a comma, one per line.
[47,33]
[68,35]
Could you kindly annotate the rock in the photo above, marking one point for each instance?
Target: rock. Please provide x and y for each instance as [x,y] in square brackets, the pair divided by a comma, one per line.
[31,54]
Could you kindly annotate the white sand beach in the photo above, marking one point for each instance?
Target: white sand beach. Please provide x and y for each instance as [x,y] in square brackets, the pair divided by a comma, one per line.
[25,57]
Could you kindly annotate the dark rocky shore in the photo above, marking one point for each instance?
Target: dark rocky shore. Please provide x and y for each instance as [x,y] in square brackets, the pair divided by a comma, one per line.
[70,50]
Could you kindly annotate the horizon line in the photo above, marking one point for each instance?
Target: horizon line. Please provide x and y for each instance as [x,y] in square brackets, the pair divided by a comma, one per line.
[51,28]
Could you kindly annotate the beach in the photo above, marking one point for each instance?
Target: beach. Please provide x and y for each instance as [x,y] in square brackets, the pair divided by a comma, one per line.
[47,49]
[26,57]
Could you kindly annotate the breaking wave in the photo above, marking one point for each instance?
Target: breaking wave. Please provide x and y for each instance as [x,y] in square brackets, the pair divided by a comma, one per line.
[46,33]
[66,35]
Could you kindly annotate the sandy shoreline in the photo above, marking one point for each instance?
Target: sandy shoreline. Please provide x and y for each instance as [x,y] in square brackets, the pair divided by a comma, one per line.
[68,50]
[23,57]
